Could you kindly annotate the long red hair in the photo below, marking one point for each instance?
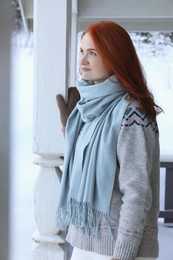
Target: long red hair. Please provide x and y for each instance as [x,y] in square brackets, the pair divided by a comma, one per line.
[116,49]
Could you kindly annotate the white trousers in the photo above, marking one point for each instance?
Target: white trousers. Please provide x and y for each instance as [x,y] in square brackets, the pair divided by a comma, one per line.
[79,254]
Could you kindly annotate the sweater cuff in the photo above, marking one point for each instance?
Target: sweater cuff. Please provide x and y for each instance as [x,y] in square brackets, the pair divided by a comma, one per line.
[124,251]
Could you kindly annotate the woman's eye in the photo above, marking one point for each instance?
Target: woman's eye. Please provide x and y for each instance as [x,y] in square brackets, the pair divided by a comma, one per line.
[91,53]
[81,52]
[88,53]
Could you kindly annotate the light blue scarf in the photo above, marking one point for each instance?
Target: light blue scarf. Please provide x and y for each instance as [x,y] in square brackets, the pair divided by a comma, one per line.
[90,155]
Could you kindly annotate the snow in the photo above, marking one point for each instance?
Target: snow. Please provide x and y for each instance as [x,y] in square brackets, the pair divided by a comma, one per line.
[159,72]
[158,64]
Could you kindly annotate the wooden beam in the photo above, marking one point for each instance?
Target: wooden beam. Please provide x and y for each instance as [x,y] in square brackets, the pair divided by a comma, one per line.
[28,7]
[135,15]
[125,9]
[133,24]
[24,20]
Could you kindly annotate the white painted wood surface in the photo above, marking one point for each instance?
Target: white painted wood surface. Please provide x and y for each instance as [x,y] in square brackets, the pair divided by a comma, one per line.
[52,27]
[135,15]
[125,8]
[46,197]
[48,251]
[28,8]
[133,24]
[51,65]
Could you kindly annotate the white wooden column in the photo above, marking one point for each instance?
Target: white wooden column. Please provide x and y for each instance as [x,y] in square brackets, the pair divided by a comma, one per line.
[52,27]
[73,52]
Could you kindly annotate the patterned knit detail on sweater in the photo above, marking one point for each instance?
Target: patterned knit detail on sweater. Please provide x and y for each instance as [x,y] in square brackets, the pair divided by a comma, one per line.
[134,115]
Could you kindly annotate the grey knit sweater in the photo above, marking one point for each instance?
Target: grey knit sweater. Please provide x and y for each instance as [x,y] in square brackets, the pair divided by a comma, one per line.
[135,200]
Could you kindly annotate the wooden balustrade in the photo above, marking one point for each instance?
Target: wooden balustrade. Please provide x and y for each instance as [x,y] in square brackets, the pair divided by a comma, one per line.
[167,213]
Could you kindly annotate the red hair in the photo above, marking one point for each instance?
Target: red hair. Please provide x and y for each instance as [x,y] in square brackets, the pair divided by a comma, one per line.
[116,49]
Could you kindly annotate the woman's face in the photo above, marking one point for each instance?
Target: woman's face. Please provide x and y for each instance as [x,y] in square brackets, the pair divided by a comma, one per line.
[92,66]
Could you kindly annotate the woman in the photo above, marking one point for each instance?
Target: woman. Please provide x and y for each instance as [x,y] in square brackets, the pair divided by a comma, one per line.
[109,196]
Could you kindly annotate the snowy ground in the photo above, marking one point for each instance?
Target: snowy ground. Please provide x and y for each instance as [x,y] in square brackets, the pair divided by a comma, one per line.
[23,174]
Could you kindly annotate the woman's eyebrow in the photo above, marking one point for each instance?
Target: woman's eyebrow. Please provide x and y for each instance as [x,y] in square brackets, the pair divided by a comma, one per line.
[89,49]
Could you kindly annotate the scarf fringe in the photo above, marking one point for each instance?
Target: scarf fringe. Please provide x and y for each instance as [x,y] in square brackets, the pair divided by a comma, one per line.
[82,216]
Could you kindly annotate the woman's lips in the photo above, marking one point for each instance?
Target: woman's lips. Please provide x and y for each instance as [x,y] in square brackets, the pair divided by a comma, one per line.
[85,69]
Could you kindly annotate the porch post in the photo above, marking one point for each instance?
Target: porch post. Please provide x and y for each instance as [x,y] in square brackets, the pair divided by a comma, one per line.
[52,27]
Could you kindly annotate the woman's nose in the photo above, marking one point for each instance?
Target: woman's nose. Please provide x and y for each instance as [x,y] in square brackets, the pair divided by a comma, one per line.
[84,59]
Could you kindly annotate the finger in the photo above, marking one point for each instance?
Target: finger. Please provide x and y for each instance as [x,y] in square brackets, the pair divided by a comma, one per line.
[63,108]
[73,98]
[61,103]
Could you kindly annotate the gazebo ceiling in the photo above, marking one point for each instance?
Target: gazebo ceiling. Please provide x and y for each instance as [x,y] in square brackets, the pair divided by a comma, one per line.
[152,15]
[134,15]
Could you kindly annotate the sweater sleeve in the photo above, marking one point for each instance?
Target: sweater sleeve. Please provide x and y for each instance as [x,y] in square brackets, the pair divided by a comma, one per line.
[135,149]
